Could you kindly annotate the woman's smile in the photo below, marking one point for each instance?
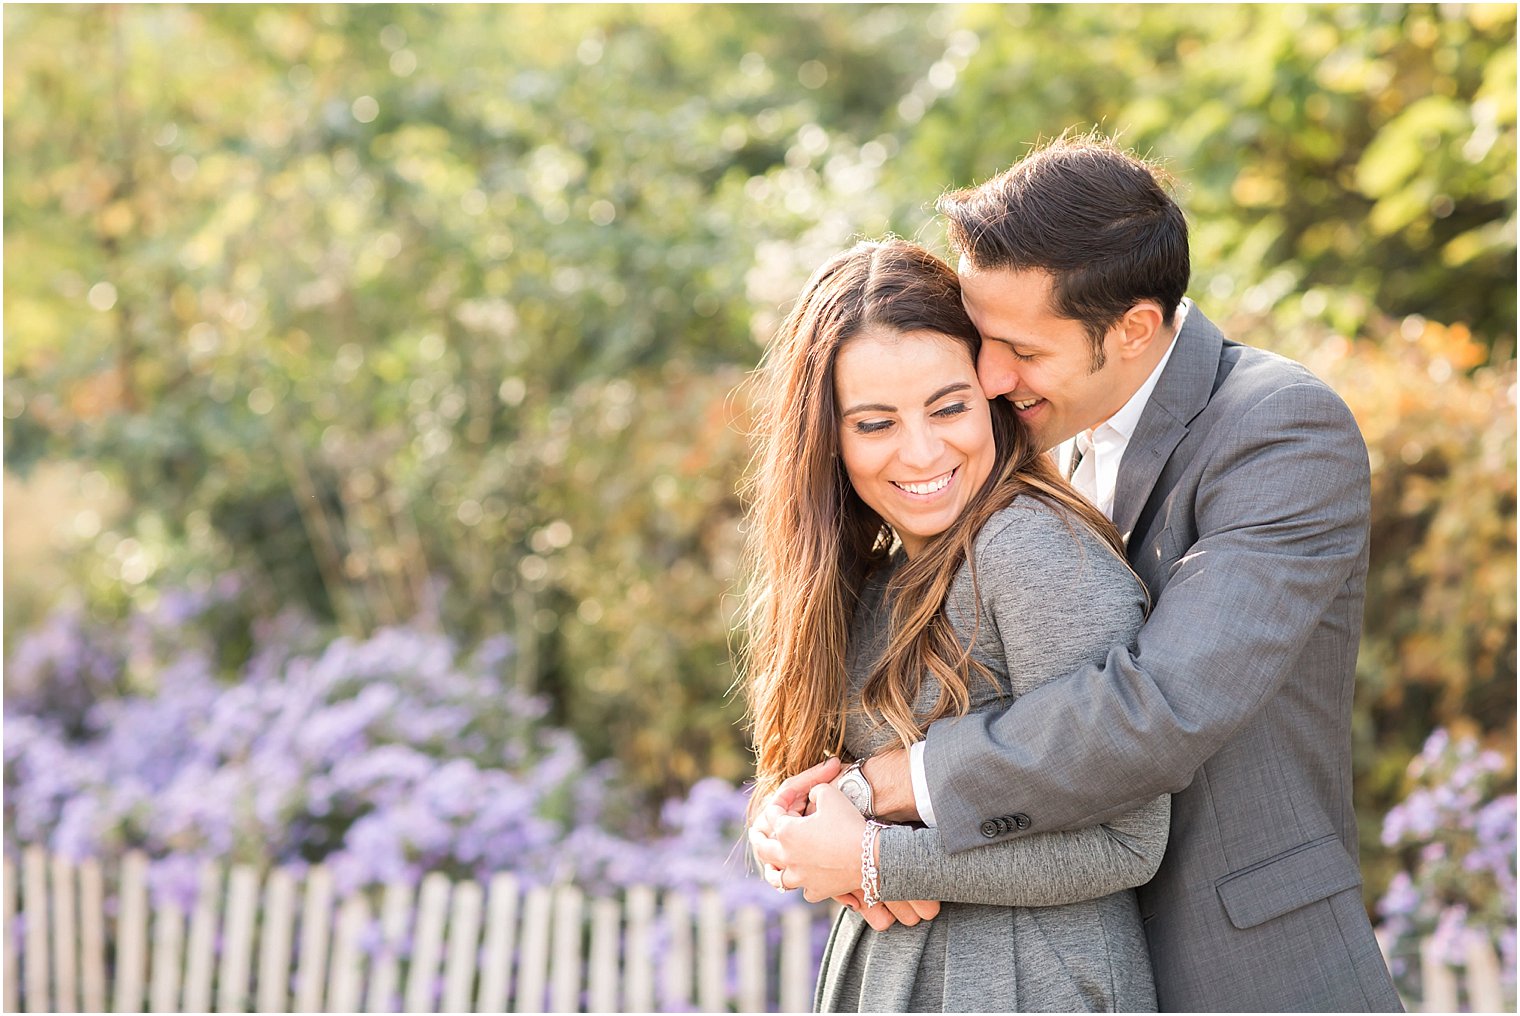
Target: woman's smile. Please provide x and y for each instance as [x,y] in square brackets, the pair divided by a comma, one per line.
[926,488]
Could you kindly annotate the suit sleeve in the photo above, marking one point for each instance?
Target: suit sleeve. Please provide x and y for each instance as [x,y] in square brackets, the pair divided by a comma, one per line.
[1050,596]
[1281,513]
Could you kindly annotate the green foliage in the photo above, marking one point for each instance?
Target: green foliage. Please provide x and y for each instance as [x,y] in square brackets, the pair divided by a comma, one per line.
[1364,152]
[434,314]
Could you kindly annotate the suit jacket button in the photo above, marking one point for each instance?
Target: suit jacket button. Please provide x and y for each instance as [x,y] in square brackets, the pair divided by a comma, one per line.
[1021,820]
[990,828]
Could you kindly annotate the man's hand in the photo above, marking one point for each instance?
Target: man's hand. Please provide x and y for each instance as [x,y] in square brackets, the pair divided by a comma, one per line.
[891,782]
[889,912]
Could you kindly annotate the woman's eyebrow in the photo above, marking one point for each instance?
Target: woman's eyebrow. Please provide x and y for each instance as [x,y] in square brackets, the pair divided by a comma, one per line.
[882,407]
[958,386]
[869,407]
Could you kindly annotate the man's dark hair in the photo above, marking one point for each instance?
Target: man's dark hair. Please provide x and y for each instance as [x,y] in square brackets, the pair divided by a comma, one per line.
[1094,217]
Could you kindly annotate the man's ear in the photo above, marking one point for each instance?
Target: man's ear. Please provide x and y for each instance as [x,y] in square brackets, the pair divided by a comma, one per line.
[1140,327]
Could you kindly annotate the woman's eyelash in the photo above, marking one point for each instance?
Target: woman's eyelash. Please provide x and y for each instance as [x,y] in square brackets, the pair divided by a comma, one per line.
[877,426]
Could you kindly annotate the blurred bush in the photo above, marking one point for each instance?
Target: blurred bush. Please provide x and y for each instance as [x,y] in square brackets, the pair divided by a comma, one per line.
[429,317]
[1456,833]
[386,757]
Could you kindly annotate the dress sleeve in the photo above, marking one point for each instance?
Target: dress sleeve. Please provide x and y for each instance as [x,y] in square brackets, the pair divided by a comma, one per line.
[1041,870]
[1051,597]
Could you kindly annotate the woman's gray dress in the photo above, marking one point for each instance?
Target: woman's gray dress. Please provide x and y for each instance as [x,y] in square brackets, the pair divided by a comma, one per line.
[1043,923]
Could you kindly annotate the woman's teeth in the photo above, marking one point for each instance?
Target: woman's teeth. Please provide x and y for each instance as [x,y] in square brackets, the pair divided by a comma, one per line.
[1024,403]
[929,486]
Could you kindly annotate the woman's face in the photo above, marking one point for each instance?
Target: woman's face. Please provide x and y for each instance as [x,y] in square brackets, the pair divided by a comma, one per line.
[915,431]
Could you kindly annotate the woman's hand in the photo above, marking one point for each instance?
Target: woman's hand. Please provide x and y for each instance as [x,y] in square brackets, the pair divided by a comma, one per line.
[790,798]
[820,853]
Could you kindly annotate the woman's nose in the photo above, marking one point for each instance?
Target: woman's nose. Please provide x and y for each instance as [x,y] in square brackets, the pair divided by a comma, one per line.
[921,446]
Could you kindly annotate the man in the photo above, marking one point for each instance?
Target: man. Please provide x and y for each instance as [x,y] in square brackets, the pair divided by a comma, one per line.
[1241,484]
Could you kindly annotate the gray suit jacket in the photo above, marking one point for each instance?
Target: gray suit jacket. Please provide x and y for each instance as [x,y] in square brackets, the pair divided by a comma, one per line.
[1244,494]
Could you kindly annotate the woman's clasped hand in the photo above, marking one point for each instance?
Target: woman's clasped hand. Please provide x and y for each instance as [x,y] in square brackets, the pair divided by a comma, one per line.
[809,847]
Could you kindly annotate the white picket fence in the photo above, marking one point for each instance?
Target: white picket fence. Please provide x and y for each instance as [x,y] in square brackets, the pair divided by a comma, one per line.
[289,946]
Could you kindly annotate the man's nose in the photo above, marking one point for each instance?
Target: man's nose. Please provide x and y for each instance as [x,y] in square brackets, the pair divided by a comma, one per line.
[995,371]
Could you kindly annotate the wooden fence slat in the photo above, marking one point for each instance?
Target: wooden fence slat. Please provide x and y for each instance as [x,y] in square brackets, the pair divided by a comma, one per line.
[385,966]
[346,985]
[92,936]
[168,959]
[1437,980]
[638,951]
[496,953]
[276,932]
[427,944]
[1485,993]
[565,959]
[749,933]
[131,933]
[200,947]
[463,946]
[237,940]
[12,998]
[797,972]
[602,965]
[35,908]
[316,924]
[533,961]
[712,953]
[65,938]
[676,974]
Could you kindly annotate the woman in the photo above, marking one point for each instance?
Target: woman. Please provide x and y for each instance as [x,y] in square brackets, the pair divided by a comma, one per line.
[915,557]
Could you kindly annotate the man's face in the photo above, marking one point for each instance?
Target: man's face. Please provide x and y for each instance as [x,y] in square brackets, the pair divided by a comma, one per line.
[1038,361]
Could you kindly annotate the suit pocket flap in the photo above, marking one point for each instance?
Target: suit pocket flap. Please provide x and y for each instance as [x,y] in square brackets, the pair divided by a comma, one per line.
[1292,879]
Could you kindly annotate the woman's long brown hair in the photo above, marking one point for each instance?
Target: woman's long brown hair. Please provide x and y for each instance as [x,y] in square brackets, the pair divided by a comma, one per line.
[812,542]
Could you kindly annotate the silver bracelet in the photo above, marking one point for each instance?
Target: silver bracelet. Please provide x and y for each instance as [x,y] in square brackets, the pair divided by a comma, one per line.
[870,878]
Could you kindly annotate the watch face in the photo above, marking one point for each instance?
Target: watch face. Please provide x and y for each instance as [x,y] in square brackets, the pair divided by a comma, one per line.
[856,790]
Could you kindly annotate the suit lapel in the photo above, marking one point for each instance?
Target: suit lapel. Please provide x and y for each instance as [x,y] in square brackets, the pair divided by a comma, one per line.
[1180,394]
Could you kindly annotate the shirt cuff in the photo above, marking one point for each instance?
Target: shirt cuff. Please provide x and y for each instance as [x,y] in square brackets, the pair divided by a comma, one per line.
[920,783]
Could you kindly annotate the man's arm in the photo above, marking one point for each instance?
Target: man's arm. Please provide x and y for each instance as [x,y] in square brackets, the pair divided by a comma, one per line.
[1281,516]
[892,786]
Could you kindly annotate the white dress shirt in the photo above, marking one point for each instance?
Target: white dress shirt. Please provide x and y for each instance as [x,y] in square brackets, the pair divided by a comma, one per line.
[1096,477]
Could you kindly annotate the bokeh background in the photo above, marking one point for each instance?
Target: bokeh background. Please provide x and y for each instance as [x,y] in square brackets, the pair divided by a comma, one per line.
[374,412]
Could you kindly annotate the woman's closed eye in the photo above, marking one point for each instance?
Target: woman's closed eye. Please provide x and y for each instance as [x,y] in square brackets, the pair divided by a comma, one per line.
[952,409]
[871,426]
